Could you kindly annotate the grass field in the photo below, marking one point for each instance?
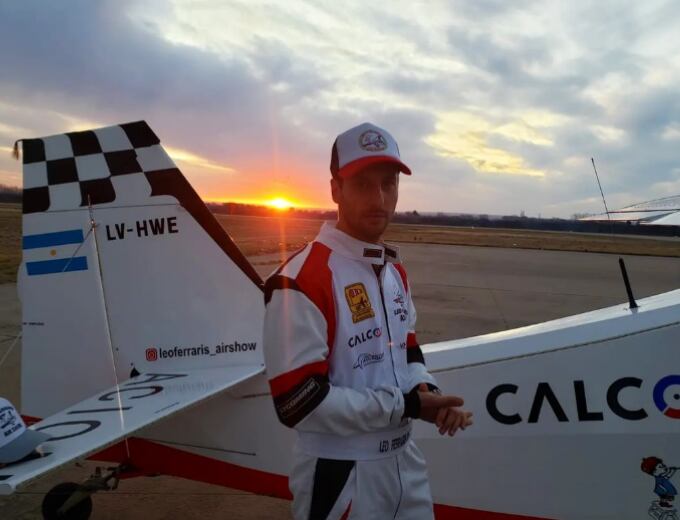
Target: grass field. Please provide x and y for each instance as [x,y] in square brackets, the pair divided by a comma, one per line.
[260,235]
[10,241]
[531,239]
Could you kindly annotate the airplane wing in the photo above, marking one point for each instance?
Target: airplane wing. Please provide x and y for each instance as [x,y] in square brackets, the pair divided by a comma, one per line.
[109,416]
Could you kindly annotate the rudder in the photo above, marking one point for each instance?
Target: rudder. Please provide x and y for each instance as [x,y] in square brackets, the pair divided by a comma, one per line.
[124,267]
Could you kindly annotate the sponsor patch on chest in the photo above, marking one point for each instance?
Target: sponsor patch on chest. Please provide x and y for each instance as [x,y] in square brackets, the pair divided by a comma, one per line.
[359,304]
[367,335]
[368,358]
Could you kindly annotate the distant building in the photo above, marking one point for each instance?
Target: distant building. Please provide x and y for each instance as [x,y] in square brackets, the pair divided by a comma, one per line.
[660,212]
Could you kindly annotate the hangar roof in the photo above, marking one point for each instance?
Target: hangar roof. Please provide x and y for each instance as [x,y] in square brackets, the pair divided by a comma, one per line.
[664,211]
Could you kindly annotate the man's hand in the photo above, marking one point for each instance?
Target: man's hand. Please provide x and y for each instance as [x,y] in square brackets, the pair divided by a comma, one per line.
[443,410]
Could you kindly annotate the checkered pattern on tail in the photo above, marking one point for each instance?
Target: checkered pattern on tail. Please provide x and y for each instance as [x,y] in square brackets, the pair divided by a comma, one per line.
[116,166]
[105,165]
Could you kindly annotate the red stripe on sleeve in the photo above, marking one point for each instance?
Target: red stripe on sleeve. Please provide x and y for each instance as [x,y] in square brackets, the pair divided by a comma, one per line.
[316,281]
[345,515]
[287,381]
[402,273]
[411,340]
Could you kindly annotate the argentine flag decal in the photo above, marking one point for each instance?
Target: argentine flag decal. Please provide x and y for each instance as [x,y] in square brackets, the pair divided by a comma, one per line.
[54,252]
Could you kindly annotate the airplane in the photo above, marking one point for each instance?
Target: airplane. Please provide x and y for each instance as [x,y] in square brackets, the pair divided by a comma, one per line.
[142,348]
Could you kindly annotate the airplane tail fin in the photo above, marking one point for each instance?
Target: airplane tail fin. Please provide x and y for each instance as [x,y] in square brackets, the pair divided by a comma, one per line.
[124,269]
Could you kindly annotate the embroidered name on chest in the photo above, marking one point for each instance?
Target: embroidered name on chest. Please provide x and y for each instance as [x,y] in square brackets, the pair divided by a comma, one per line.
[359,304]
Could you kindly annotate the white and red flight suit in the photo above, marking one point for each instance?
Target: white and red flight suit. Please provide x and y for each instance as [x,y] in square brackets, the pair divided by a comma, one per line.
[343,362]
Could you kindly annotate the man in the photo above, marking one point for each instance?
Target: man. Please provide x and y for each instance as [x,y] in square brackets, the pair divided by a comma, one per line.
[344,366]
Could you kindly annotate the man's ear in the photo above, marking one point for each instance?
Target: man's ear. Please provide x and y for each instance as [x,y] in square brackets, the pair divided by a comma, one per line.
[336,190]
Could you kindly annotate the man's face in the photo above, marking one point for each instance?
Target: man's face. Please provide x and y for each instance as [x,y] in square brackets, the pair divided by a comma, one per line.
[366,201]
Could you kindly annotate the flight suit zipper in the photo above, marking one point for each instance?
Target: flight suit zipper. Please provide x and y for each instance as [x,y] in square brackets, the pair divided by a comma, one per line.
[380,276]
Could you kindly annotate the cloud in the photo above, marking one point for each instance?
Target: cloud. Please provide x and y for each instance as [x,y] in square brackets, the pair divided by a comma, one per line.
[497,106]
[671,132]
[469,136]
[608,134]
[183,157]
[218,108]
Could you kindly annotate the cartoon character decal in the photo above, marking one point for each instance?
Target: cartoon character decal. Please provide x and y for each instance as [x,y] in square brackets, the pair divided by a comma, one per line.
[663,508]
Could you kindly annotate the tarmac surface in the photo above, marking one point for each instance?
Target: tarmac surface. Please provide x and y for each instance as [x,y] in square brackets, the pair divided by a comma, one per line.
[459,291]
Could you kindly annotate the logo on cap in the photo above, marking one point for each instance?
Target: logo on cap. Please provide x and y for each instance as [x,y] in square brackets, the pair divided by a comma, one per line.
[372,141]
[9,421]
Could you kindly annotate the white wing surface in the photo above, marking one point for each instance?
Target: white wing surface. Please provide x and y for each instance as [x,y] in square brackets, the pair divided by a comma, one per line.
[114,414]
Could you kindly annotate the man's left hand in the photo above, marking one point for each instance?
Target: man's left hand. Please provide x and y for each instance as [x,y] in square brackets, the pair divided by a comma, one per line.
[450,420]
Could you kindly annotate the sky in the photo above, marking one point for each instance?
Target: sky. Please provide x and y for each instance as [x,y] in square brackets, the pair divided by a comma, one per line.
[497,106]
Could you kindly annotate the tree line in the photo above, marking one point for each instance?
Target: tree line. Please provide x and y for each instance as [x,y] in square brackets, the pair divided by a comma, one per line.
[12,194]
[461,220]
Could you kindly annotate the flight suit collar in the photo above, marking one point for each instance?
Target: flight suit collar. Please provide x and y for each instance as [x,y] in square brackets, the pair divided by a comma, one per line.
[345,245]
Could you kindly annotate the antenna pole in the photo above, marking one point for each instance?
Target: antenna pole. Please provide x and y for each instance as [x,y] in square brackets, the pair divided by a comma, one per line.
[631,299]
[604,201]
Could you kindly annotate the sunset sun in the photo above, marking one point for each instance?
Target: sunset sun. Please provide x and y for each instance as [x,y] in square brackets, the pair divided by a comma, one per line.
[279,203]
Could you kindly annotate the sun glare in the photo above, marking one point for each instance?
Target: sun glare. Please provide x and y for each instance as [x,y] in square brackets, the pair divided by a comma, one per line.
[279,203]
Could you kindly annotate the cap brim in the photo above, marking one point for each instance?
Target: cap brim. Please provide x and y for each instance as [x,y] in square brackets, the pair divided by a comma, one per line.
[355,167]
[22,446]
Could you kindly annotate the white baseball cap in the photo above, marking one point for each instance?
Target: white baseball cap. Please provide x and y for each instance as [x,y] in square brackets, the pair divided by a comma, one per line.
[16,441]
[362,146]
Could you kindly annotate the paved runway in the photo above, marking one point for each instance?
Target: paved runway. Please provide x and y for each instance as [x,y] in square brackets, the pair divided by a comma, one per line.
[465,291]
[459,291]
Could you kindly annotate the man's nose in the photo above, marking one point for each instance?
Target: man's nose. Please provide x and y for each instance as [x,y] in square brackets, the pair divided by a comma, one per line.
[377,194]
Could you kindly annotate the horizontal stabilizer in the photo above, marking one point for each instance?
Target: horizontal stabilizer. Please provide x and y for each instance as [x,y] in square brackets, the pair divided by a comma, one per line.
[117,413]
